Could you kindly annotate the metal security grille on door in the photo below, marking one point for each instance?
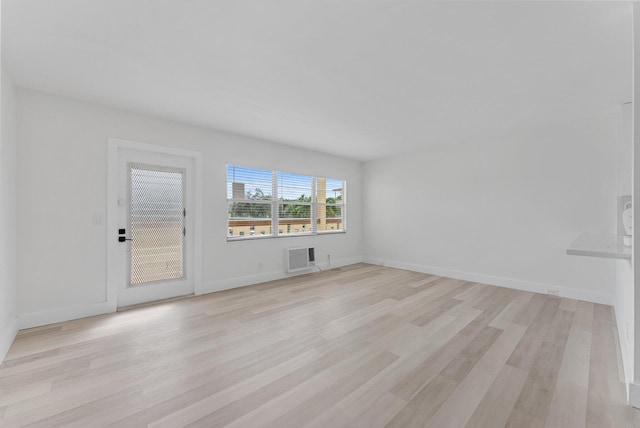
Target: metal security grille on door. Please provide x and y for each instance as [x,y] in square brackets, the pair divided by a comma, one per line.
[157,224]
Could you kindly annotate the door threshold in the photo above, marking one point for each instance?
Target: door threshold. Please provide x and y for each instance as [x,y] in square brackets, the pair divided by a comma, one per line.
[155,302]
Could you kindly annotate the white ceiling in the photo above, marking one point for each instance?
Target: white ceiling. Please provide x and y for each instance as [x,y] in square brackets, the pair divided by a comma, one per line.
[360,79]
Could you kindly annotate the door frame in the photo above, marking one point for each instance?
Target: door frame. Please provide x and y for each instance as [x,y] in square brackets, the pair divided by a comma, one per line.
[114,146]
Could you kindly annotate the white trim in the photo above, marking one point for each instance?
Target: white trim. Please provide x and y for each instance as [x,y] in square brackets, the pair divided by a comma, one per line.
[275,225]
[198,256]
[113,146]
[634,395]
[314,205]
[283,236]
[227,284]
[67,313]
[627,361]
[518,284]
[7,336]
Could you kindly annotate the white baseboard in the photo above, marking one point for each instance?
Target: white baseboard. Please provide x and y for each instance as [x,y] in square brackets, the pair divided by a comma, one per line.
[627,362]
[67,313]
[536,287]
[227,284]
[634,395]
[340,263]
[7,336]
[52,316]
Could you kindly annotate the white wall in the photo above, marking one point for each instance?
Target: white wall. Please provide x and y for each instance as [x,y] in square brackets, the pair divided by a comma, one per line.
[62,175]
[624,294]
[634,388]
[8,283]
[500,212]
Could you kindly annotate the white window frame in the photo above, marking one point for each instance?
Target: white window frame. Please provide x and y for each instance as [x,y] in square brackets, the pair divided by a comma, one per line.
[275,213]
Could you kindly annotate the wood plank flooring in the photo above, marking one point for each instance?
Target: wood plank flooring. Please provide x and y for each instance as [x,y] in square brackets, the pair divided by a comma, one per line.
[359,346]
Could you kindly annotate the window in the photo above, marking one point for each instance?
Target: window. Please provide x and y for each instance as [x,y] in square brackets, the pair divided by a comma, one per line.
[295,200]
[250,197]
[330,204]
[266,203]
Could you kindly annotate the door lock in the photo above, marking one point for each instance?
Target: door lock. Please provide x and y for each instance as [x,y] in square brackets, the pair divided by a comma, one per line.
[123,238]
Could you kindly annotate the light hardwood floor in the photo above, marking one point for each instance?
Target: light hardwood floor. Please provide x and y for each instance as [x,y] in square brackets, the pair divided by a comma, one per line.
[360,346]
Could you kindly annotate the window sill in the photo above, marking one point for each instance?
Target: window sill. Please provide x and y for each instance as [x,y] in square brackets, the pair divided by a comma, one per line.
[294,235]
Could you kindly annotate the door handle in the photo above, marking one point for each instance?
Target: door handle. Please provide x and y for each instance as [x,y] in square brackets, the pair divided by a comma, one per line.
[122,238]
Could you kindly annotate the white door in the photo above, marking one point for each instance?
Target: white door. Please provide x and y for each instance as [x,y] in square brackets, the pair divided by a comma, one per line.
[155,215]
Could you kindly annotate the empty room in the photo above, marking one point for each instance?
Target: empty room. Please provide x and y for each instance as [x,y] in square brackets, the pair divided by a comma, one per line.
[323,213]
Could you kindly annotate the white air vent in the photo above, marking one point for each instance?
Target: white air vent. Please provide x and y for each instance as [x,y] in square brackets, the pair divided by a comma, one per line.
[298,259]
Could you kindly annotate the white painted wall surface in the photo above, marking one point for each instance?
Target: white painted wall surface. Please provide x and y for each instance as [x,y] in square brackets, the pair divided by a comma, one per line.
[624,294]
[501,212]
[8,281]
[634,388]
[62,178]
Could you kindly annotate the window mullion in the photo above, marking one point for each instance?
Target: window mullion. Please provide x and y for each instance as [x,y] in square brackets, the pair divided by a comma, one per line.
[275,221]
[344,206]
[314,206]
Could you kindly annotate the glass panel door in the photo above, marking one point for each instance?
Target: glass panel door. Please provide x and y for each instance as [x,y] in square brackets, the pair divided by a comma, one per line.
[157,224]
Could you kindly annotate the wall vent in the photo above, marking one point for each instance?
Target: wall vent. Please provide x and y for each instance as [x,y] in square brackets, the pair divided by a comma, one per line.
[299,259]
